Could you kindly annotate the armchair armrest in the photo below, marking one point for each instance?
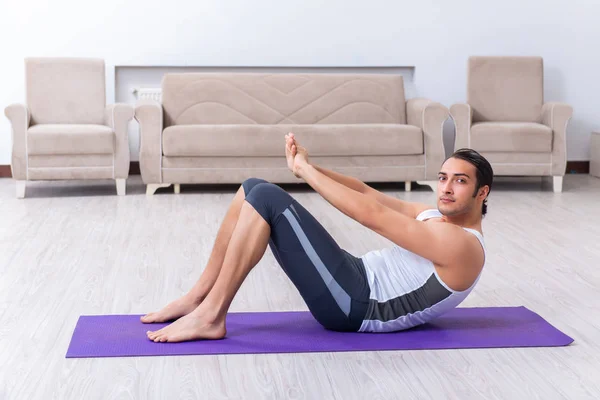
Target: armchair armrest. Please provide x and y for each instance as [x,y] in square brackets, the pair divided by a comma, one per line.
[430,117]
[149,114]
[20,118]
[117,116]
[556,116]
[462,115]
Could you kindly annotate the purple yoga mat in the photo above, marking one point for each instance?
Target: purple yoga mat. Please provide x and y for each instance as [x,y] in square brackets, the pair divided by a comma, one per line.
[298,332]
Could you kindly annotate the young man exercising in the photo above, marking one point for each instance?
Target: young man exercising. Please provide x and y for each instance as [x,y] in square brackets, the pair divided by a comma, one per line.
[436,260]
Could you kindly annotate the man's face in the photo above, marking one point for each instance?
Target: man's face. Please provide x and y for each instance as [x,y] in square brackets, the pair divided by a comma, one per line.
[457,181]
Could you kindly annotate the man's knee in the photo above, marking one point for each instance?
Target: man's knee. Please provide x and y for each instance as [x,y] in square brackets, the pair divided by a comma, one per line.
[250,183]
[267,191]
[269,200]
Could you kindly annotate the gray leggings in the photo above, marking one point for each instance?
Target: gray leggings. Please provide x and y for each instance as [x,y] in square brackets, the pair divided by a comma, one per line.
[331,281]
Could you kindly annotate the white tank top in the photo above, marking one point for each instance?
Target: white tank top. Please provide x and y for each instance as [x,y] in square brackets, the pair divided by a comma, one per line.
[406,290]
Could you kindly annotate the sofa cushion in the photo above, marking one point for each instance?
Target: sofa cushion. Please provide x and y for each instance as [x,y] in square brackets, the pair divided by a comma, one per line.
[70,139]
[269,140]
[511,137]
[191,98]
[65,90]
[506,89]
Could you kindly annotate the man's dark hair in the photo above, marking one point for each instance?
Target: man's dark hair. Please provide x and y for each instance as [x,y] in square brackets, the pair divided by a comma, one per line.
[485,174]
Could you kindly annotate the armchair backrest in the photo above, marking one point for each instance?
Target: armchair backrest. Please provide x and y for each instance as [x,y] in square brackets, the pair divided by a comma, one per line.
[282,98]
[65,90]
[506,89]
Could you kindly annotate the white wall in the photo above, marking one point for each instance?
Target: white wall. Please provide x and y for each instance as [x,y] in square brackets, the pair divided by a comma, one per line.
[435,37]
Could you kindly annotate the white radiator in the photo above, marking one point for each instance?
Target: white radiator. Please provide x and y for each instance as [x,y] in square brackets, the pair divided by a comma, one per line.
[148,93]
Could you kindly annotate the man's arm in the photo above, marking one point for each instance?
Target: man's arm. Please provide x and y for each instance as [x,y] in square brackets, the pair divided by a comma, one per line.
[410,209]
[443,244]
[348,181]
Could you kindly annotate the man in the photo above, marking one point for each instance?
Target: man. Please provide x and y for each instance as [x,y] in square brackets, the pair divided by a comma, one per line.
[436,260]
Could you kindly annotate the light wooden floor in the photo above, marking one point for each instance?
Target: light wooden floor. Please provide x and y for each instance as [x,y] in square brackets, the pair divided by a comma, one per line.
[76,248]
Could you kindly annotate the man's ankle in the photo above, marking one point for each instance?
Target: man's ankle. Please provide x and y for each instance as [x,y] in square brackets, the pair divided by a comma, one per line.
[196,297]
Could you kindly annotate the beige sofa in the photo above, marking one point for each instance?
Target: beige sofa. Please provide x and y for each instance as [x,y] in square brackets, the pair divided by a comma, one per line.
[507,121]
[227,127]
[66,131]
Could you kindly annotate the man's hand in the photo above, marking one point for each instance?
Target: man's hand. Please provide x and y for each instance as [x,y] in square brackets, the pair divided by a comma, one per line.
[289,153]
[296,155]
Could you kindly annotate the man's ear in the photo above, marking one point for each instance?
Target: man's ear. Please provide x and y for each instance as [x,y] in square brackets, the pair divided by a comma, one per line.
[484,191]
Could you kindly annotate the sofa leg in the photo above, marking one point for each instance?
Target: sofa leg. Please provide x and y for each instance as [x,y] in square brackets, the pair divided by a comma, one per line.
[121,186]
[21,185]
[407,186]
[557,183]
[431,184]
[177,188]
[153,187]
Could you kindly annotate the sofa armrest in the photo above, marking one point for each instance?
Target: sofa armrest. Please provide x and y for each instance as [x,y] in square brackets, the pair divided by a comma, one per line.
[462,115]
[556,116]
[20,118]
[430,117]
[117,116]
[149,114]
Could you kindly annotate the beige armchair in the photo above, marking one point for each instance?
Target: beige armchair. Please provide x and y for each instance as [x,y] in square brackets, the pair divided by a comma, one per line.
[506,120]
[66,131]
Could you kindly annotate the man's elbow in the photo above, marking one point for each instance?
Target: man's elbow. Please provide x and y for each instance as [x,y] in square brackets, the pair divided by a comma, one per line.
[370,214]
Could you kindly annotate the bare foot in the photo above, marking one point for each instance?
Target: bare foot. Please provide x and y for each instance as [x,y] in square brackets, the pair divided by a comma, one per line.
[178,308]
[193,326]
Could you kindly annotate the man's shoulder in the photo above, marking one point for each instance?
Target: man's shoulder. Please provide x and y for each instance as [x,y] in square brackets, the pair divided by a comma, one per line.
[451,234]
[465,245]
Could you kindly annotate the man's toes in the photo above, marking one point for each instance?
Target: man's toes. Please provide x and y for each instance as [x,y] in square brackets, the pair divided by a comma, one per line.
[147,317]
[161,338]
[154,334]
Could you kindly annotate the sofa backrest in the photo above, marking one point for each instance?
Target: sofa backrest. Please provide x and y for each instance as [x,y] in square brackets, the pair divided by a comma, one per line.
[282,98]
[65,90]
[506,88]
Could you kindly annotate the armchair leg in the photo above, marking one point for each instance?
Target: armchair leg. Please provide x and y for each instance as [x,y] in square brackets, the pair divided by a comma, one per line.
[121,186]
[557,183]
[177,188]
[431,184]
[21,185]
[153,187]
[407,186]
